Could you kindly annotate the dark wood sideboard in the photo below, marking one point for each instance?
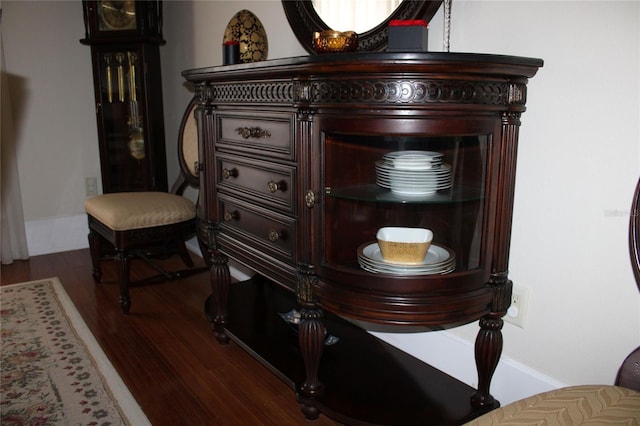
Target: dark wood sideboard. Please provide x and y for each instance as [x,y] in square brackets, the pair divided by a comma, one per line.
[289,189]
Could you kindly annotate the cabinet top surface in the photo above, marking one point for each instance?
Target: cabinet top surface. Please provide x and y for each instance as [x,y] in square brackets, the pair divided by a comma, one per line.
[376,62]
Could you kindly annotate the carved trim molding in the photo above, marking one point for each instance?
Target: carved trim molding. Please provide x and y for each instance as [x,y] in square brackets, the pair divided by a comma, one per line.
[392,92]
[511,118]
[306,279]
[239,92]
[204,93]
[517,94]
[409,92]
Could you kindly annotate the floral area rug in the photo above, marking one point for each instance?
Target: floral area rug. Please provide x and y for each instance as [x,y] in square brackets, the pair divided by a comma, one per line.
[53,371]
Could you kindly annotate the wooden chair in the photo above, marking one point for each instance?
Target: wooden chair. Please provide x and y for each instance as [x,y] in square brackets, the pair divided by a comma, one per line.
[139,224]
[629,373]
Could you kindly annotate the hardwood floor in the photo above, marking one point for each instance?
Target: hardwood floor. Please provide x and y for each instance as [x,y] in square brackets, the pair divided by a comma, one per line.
[164,349]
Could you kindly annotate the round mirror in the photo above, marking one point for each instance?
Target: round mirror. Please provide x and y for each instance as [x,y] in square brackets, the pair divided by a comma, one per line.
[305,19]
[354,15]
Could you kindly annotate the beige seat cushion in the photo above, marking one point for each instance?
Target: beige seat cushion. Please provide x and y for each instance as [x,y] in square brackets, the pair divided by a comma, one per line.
[576,405]
[133,210]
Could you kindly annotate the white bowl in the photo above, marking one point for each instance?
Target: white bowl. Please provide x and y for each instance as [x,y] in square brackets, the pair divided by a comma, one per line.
[404,245]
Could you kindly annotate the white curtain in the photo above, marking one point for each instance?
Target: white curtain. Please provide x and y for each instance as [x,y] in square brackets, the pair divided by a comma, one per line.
[12,232]
[354,15]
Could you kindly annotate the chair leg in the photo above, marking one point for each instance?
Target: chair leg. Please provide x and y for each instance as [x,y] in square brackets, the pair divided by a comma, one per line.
[184,253]
[95,244]
[123,278]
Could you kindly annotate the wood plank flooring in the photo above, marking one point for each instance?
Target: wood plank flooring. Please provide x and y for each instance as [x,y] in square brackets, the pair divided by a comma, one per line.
[164,349]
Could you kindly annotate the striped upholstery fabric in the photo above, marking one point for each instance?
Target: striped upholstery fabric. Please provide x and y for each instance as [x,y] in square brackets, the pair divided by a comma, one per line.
[576,405]
[122,211]
[190,144]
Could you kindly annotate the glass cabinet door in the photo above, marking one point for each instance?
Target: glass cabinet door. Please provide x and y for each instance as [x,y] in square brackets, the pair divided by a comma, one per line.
[120,115]
[407,173]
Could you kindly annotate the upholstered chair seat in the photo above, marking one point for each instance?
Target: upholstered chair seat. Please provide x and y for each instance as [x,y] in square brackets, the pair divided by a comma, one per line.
[568,406]
[122,211]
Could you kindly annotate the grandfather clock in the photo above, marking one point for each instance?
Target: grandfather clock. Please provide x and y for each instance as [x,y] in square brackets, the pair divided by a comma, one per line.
[125,39]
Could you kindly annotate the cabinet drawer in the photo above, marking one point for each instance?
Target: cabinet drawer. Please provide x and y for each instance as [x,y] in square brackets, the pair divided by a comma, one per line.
[274,233]
[269,183]
[260,134]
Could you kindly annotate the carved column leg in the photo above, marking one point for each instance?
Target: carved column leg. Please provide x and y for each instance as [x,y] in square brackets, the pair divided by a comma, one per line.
[95,245]
[220,281]
[487,350]
[311,338]
[122,258]
[488,346]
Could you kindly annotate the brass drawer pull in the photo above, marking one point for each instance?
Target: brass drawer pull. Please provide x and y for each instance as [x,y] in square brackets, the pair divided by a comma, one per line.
[253,132]
[229,216]
[310,198]
[226,173]
[275,186]
[275,236]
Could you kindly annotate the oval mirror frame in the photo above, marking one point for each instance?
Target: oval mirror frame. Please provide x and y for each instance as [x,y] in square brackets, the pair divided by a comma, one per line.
[304,21]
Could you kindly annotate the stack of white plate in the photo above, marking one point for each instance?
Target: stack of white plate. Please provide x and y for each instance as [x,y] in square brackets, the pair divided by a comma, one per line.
[413,173]
[439,260]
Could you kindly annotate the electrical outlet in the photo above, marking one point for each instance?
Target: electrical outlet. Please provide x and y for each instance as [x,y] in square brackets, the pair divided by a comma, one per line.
[517,312]
[91,186]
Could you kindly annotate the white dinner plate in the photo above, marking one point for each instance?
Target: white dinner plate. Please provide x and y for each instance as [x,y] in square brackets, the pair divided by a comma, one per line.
[397,269]
[435,255]
[413,181]
[407,273]
[433,155]
[383,166]
[414,189]
[413,177]
[401,184]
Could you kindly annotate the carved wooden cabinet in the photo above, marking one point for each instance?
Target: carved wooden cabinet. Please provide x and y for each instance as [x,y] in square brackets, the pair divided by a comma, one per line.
[290,189]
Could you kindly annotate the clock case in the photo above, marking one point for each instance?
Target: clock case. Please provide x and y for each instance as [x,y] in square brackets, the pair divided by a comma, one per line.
[148,23]
[138,114]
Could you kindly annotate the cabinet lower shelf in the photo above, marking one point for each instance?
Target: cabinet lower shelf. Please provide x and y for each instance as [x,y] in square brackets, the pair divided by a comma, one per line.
[366,381]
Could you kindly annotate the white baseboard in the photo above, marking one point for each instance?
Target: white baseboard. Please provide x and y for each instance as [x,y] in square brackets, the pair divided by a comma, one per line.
[56,234]
[441,349]
[455,356]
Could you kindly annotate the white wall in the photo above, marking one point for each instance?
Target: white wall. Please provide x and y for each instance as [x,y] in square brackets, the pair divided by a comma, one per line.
[52,102]
[578,160]
[578,164]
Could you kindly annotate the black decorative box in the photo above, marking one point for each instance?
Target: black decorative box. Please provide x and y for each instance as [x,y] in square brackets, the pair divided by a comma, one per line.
[407,36]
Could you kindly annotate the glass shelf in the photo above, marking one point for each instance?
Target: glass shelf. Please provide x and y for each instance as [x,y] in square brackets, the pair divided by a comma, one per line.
[375,193]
